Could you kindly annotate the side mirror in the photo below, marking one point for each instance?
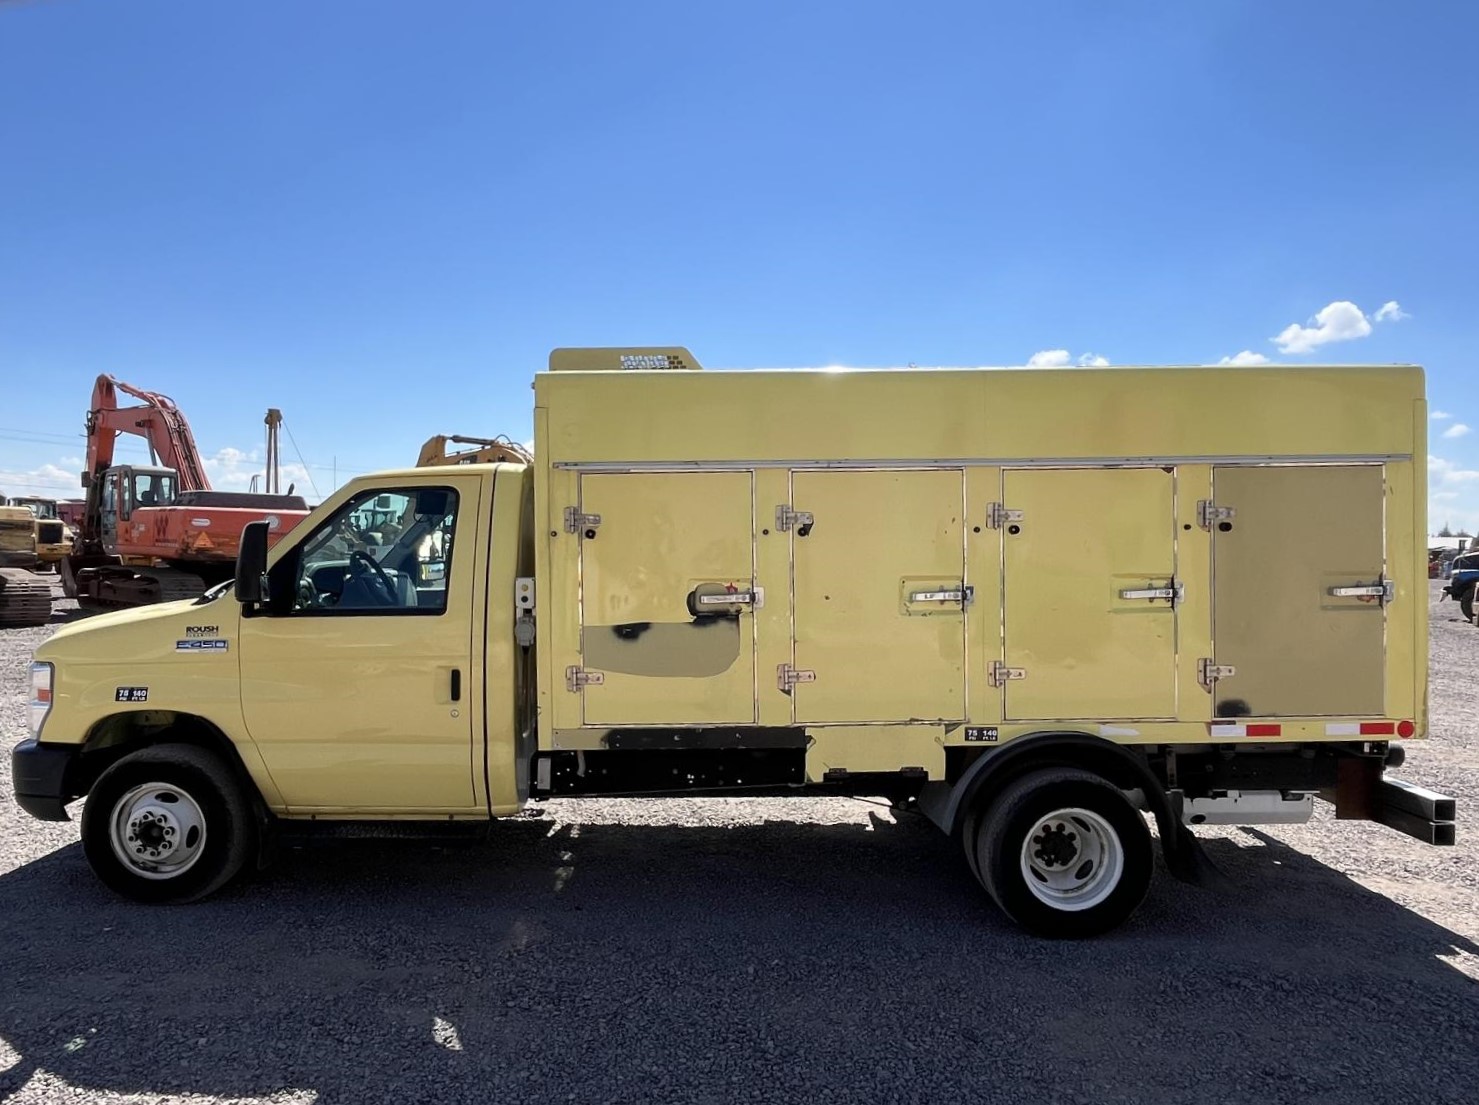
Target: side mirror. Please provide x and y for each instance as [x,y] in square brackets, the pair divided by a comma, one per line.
[251,562]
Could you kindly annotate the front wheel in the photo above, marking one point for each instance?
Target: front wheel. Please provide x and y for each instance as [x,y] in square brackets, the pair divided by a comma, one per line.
[171,823]
[1466,603]
[1064,853]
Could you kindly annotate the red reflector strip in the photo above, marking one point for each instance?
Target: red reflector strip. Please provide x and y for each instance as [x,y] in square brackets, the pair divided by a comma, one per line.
[43,695]
[1378,728]
[1265,730]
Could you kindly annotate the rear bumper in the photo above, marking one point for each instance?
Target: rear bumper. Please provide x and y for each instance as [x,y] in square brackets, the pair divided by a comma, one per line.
[1422,814]
[39,772]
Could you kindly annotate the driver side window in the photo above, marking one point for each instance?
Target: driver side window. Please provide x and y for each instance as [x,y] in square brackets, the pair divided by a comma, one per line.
[383,552]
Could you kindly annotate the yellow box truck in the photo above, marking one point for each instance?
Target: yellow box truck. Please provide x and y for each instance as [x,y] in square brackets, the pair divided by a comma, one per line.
[1040,606]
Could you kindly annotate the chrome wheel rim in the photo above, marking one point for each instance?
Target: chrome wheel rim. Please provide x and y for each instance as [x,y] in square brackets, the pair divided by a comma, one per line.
[157,831]
[1072,859]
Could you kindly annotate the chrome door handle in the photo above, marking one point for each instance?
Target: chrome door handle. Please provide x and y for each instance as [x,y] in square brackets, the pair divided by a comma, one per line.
[752,597]
[1172,594]
[1386,590]
[962,595]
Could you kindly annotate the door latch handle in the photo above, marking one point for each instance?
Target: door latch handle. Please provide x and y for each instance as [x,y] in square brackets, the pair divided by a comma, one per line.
[962,595]
[1386,591]
[456,685]
[732,598]
[1173,594]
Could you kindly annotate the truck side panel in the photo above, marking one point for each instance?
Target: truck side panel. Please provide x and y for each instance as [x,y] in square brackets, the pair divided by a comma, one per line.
[1096,613]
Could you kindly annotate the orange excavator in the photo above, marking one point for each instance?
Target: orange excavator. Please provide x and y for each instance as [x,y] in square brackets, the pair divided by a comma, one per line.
[158,532]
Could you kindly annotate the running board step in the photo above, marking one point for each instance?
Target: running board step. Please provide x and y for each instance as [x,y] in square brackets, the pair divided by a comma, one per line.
[382,830]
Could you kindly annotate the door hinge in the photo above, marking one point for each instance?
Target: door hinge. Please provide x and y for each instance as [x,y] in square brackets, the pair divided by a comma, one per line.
[578,678]
[575,521]
[786,518]
[787,677]
[1209,673]
[1209,513]
[1385,590]
[524,611]
[998,674]
[997,515]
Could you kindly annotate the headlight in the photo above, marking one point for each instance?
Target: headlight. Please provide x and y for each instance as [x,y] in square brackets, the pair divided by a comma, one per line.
[41,678]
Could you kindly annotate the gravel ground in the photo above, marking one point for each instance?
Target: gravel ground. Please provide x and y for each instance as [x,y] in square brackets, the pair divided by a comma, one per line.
[744,950]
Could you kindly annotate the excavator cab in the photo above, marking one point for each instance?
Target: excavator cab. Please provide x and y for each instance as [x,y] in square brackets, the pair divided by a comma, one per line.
[126,488]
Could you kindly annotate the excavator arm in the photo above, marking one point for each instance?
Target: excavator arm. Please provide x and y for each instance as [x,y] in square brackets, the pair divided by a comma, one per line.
[489,450]
[158,421]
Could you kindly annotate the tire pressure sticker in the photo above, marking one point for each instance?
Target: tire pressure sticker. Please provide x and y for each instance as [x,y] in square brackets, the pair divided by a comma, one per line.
[980,732]
[131,694]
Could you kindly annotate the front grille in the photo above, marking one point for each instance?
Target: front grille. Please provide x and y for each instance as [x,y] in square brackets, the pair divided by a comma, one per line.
[50,533]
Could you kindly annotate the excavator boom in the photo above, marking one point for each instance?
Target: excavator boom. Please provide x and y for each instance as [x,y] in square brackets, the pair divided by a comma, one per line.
[489,450]
[158,421]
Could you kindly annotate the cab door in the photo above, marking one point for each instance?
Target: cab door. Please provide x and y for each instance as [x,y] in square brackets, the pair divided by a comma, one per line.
[1090,594]
[113,483]
[359,684]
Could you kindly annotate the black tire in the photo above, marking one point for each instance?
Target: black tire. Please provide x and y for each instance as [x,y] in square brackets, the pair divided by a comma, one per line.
[226,827]
[1004,829]
[1466,603]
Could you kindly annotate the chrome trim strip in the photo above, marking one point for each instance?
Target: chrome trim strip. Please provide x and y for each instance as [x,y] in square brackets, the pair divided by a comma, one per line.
[1243,460]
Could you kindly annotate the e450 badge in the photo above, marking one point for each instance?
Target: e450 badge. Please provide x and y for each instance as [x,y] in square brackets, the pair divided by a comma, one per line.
[202,644]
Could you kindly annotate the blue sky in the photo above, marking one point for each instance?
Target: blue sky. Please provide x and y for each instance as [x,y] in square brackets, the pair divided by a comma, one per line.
[380,217]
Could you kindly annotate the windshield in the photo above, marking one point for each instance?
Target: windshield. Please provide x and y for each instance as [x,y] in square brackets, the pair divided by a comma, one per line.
[153,489]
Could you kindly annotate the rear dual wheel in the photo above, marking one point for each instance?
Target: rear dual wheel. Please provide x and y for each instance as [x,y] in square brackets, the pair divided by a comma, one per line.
[1062,852]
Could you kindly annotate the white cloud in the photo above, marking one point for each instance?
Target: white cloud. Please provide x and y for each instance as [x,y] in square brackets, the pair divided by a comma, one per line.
[49,481]
[1390,311]
[1453,495]
[1339,321]
[1246,357]
[1062,358]
[228,469]
[1439,416]
[1458,429]
[231,469]
[1445,474]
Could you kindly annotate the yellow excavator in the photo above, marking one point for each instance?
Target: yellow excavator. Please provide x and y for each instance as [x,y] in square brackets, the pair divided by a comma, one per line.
[486,450]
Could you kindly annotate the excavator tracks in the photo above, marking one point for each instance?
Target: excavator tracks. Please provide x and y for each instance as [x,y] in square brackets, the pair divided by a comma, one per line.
[118,588]
[25,599]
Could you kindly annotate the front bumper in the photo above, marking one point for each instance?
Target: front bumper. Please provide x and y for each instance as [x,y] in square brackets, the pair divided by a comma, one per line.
[39,772]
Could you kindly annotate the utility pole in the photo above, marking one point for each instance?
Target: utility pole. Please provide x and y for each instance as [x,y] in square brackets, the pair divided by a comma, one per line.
[274,467]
